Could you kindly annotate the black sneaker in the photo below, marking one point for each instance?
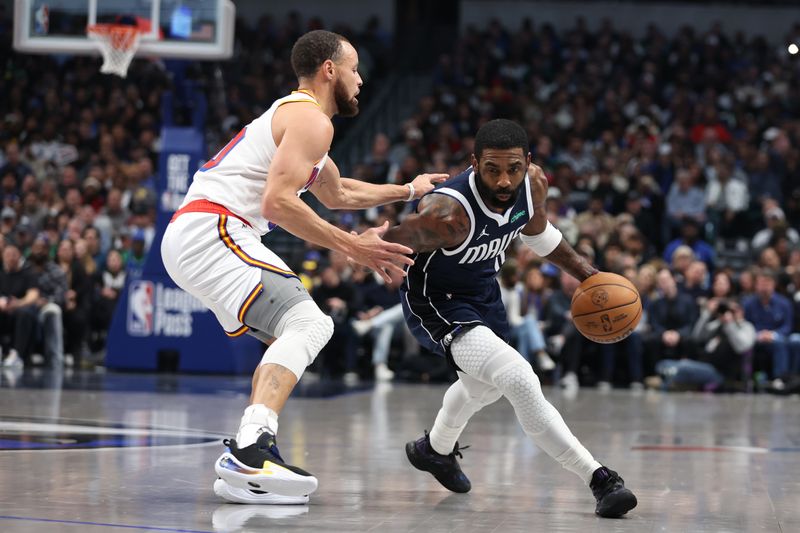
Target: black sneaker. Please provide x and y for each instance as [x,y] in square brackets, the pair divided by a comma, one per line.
[613,499]
[261,467]
[445,468]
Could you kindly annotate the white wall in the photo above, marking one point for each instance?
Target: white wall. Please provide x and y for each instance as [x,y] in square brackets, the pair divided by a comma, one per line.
[353,12]
[773,22]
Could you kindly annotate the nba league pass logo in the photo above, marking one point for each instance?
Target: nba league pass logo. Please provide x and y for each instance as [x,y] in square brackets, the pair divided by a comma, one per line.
[140,308]
[155,309]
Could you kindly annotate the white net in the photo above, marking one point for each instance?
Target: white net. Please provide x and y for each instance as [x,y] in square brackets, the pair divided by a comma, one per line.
[118,44]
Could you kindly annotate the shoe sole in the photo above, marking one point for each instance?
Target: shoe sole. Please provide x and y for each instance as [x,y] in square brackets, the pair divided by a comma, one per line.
[622,504]
[412,458]
[236,495]
[272,478]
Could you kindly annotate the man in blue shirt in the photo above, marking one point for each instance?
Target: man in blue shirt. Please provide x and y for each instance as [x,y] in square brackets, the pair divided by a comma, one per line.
[690,236]
[772,316]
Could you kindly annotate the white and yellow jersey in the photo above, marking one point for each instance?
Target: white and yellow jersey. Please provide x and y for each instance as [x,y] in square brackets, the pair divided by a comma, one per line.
[236,176]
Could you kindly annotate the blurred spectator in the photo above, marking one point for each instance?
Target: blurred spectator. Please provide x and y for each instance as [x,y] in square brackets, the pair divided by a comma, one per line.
[18,296]
[722,335]
[383,315]
[690,236]
[595,221]
[672,317]
[772,315]
[567,342]
[695,282]
[52,284]
[727,199]
[337,299]
[776,227]
[77,304]
[685,200]
[109,283]
[525,329]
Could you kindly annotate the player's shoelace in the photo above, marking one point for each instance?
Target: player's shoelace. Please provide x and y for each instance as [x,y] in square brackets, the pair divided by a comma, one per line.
[456,450]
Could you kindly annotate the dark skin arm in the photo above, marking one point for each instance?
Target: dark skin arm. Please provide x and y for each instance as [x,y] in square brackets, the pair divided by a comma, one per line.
[440,222]
[564,256]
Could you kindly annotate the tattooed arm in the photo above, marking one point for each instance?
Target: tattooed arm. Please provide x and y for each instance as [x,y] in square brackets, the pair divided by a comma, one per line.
[563,256]
[440,222]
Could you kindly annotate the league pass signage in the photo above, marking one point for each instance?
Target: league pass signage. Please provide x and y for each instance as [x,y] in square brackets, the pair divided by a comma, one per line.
[157,309]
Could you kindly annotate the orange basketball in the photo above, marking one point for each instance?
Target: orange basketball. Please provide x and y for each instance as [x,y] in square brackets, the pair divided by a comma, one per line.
[606,308]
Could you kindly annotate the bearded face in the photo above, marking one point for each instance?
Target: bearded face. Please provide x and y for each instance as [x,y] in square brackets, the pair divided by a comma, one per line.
[347,105]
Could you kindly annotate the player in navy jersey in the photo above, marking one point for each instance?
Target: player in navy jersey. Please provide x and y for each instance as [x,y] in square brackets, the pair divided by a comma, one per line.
[452,304]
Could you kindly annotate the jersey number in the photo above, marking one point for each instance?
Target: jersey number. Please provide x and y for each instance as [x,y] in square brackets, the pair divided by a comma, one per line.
[217,159]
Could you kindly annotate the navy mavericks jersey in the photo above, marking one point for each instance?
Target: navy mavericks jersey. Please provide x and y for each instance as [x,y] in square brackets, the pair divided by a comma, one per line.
[449,290]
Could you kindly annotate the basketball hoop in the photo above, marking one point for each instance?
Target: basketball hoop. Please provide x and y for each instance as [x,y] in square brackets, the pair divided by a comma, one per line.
[118,44]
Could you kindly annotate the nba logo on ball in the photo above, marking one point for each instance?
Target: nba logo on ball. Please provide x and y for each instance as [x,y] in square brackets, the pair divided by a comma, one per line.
[140,308]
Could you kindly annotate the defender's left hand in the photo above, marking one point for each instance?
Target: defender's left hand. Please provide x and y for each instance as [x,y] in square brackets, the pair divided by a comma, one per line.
[425,183]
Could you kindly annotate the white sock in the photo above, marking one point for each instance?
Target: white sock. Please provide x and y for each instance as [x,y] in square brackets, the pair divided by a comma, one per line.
[443,437]
[257,418]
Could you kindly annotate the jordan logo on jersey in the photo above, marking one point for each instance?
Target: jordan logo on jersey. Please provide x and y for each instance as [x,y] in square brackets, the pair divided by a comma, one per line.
[483,233]
[488,250]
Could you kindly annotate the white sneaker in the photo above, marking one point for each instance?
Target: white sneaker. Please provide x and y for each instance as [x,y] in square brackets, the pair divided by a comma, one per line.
[636,386]
[361,327]
[13,360]
[272,478]
[570,381]
[603,386]
[233,494]
[69,360]
[778,384]
[350,378]
[546,364]
[382,373]
[37,359]
[252,517]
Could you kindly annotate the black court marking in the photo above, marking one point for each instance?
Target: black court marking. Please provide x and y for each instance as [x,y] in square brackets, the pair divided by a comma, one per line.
[31,433]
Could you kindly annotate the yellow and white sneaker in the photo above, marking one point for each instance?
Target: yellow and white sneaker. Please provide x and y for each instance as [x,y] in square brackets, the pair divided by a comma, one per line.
[260,467]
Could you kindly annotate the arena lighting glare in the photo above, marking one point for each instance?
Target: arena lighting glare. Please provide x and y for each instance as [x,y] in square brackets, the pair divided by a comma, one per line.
[793,49]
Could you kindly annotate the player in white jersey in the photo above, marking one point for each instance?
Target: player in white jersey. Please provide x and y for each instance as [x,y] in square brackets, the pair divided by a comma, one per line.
[212,249]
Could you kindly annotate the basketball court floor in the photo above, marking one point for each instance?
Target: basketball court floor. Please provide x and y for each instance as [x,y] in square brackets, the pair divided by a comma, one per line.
[120,452]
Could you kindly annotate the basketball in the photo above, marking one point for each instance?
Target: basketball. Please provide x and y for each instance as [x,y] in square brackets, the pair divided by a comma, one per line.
[606,308]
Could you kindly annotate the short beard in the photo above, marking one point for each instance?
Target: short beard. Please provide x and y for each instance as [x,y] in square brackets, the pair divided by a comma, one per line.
[489,197]
[346,107]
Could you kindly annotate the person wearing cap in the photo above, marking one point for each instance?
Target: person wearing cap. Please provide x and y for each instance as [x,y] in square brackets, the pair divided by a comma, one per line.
[8,220]
[775,220]
[52,284]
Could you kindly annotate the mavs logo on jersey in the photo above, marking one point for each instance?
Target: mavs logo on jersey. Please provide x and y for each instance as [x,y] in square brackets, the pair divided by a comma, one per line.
[445,289]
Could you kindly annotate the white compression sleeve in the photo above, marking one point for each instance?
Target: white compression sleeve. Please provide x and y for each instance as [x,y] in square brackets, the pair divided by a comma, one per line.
[484,356]
[545,242]
[463,399]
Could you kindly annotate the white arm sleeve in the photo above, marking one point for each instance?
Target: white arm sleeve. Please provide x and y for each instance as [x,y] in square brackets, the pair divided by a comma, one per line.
[545,242]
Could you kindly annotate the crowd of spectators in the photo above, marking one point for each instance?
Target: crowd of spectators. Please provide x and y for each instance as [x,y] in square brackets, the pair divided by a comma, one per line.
[673,160]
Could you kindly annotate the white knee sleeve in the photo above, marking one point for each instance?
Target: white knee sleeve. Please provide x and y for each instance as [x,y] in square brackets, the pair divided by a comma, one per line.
[300,335]
[484,356]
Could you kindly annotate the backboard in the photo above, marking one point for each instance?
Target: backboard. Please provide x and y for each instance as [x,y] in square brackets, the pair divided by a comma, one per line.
[190,29]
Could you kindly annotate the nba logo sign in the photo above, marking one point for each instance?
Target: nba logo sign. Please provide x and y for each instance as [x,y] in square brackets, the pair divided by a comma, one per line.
[141,295]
